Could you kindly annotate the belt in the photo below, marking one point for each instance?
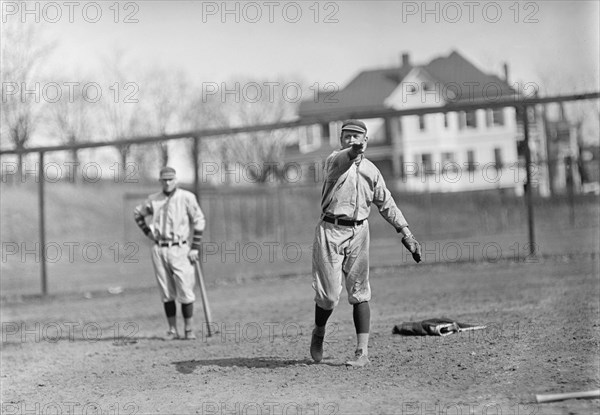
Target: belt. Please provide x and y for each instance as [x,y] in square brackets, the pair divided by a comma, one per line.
[162,244]
[342,222]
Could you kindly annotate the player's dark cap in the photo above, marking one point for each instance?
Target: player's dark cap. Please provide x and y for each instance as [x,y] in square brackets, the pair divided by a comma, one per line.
[354,125]
[167,173]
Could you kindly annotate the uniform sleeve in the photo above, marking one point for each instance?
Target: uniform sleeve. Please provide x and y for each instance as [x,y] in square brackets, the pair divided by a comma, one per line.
[382,198]
[139,214]
[197,220]
[338,163]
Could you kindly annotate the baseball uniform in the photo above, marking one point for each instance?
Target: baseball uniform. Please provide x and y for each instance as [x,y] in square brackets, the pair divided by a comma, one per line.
[341,245]
[341,248]
[170,220]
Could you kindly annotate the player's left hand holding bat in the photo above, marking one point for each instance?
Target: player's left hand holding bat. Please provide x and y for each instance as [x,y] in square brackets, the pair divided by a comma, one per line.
[193,255]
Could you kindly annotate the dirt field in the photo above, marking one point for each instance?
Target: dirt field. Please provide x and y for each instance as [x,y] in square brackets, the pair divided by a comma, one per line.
[105,354]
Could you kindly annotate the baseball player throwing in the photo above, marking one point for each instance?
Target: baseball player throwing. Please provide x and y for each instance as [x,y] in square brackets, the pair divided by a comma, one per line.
[341,245]
[171,212]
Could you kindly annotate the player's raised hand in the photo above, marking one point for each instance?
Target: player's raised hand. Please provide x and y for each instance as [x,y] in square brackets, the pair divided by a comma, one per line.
[359,146]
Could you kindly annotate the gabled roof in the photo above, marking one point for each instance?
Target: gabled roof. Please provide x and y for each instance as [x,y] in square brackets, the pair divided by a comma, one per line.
[369,90]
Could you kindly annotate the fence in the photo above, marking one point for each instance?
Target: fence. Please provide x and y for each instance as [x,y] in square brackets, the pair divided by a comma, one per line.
[93,243]
[83,234]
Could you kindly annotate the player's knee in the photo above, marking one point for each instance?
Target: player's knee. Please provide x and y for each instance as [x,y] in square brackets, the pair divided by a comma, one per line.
[328,302]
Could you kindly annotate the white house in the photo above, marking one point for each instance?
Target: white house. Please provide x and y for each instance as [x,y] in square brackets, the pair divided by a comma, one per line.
[455,151]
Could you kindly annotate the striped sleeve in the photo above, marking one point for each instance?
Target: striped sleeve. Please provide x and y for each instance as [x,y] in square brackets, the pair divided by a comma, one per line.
[139,215]
[197,219]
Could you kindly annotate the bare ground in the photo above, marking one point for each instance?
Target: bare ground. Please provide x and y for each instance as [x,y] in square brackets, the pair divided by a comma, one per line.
[70,354]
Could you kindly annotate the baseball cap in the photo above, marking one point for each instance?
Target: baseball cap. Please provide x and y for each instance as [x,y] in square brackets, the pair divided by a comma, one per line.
[167,173]
[354,125]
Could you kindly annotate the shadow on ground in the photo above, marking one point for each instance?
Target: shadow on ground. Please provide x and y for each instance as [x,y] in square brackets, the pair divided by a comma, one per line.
[189,366]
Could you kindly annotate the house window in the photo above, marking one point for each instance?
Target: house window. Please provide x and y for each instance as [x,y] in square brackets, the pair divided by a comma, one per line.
[422,122]
[448,162]
[462,120]
[427,163]
[498,158]
[497,117]
[471,160]
[471,119]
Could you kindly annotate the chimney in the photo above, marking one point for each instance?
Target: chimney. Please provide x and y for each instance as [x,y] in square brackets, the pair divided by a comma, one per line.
[405,59]
[505,66]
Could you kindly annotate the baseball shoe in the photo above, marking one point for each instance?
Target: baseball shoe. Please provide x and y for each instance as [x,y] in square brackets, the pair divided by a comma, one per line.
[172,335]
[316,347]
[360,359]
[189,335]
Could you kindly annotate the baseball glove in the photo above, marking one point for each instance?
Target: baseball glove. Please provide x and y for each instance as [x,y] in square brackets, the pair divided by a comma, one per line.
[413,247]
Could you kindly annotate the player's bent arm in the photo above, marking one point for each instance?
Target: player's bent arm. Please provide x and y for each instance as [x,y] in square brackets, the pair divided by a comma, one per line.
[138,215]
[197,220]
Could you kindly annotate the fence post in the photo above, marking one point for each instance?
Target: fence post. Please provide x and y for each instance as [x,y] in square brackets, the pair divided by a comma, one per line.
[570,190]
[42,223]
[529,187]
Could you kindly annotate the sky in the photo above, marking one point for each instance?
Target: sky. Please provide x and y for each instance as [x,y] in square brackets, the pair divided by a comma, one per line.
[325,41]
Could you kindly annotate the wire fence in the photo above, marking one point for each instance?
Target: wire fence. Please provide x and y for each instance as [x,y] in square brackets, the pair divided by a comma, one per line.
[93,243]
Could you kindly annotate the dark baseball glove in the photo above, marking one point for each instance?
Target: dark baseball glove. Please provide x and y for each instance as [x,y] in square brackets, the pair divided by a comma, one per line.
[413,247]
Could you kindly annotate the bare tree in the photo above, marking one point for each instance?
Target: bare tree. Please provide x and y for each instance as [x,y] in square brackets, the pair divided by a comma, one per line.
[71,122]
[263,102]
[163,97]
[23,51]
[121,109]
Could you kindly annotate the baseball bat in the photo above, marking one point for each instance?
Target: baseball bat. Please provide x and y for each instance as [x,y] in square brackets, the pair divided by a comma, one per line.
[570,395]
[205,305]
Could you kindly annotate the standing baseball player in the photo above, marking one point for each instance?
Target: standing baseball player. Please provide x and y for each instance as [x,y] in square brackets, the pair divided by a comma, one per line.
[341,245]
[171,213]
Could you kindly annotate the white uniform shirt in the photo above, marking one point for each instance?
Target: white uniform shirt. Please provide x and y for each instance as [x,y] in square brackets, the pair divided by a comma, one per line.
[172,215]
[352,185]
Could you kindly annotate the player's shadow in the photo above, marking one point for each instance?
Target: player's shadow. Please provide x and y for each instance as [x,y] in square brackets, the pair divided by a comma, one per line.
[189,366]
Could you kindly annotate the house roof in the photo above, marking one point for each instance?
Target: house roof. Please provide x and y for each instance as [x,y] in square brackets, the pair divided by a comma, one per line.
[370,88]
